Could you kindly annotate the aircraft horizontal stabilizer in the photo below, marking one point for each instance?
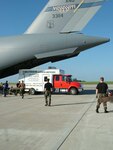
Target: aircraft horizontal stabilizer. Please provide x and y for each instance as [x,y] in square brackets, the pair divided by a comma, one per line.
[55,53]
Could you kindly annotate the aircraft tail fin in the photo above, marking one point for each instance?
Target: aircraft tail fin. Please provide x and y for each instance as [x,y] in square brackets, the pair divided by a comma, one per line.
[65,16]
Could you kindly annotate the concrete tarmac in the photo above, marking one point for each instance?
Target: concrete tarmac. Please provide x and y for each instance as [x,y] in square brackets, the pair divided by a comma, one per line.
[71,123]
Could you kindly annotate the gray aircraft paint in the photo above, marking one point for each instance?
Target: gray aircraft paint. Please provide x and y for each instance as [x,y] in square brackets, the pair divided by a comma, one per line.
[65,16]
[51,37]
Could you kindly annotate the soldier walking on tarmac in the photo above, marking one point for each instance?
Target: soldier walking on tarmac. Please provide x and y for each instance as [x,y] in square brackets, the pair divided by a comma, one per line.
[48,89]
[101,91]
[22,89]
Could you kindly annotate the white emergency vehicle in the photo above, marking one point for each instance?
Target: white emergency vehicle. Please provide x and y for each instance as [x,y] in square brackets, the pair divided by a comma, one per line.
[35,80]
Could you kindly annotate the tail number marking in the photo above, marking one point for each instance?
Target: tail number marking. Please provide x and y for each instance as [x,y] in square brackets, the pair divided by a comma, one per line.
[57,16]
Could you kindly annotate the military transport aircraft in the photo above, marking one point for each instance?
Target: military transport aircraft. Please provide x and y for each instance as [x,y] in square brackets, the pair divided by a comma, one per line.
[53,36]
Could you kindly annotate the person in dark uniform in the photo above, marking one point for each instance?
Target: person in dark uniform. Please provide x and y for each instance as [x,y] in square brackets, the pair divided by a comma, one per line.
[101,91]
[5,88]
[48,89]
[17,88]
[22,88]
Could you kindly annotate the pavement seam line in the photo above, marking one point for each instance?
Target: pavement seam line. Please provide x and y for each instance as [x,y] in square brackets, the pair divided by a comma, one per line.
[75,125]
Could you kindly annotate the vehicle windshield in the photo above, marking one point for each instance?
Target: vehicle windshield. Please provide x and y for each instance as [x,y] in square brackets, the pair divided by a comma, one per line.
[67,78]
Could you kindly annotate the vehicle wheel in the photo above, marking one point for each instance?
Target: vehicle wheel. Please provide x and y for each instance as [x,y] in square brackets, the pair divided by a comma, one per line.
[32,91]
[73,91]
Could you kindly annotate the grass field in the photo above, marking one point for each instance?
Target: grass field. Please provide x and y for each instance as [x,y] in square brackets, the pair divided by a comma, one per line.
[96,82]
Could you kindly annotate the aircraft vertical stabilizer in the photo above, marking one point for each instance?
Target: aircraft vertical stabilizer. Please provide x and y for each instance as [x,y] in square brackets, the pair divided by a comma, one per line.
[65,16]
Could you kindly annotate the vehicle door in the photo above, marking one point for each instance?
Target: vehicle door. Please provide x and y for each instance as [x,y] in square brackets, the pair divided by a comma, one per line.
[57,81]
[65,82]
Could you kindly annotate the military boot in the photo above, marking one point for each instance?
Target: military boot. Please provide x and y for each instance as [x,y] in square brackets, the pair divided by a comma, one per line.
[97,109]
[105,110]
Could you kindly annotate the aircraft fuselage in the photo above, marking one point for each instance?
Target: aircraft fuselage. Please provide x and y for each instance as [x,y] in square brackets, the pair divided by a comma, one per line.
[17,49]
